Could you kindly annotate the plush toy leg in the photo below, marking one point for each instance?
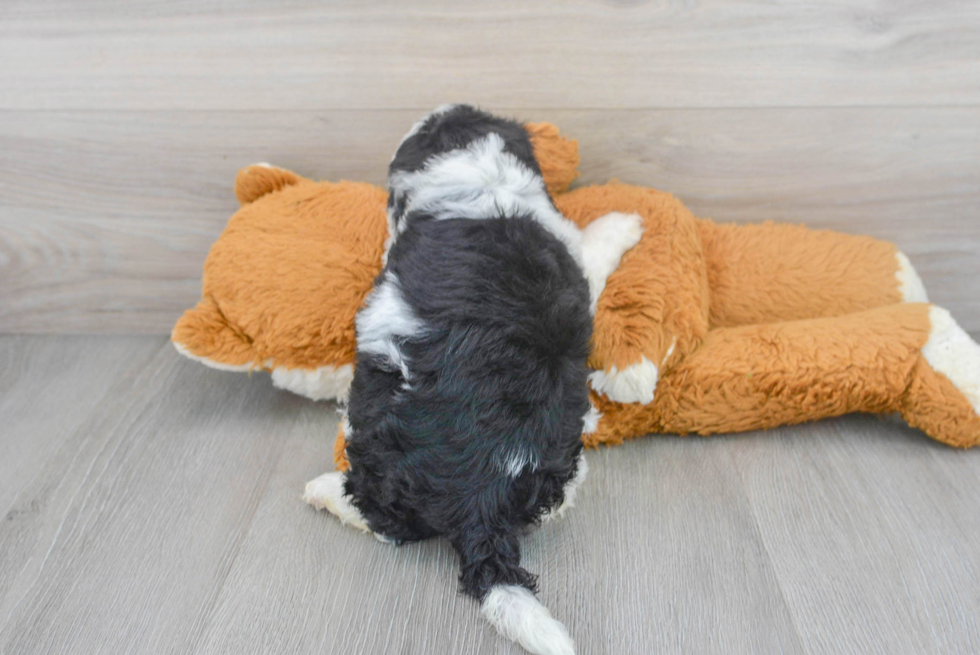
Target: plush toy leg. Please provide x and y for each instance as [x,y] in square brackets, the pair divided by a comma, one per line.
[604,242]
[654,305]
[897,358]
[769,272]
[943,399]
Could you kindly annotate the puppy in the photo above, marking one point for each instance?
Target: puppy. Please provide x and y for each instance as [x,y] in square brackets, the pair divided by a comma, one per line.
[470,397]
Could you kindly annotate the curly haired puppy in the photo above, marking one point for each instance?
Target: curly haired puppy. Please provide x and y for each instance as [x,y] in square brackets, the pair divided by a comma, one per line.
[469,401]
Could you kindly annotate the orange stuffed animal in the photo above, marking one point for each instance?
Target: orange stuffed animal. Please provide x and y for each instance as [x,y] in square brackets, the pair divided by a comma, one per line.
[704,328]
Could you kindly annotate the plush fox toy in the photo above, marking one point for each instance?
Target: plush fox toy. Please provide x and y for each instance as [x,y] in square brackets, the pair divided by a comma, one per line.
[704,328]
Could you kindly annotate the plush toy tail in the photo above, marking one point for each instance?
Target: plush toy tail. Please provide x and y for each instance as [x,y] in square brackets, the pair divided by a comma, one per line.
[910,358]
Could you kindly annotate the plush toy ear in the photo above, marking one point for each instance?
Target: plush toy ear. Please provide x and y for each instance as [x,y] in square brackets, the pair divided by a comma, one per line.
[556,155]
[253,182]
[204,335]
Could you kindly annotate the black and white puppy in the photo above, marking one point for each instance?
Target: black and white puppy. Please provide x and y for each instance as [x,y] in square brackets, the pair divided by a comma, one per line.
[470,397]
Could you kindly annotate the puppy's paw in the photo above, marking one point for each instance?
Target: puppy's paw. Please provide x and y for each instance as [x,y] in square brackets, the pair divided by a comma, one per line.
[571,491]
[327,492]
[636,383]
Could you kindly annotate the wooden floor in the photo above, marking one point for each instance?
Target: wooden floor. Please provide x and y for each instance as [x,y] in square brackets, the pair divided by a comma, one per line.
[152,505]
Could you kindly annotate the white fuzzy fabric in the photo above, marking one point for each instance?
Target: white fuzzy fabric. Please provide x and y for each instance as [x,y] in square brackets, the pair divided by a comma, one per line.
[604,242]
[327,492]
[634,384]
[218,366]
[520,617]
[909,283]
[323,383]
[953,353]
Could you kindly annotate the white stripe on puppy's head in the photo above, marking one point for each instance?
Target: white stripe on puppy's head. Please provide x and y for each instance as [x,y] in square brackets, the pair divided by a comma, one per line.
[479,181]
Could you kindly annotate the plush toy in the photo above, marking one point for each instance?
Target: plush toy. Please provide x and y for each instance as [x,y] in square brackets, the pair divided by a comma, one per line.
[704,328]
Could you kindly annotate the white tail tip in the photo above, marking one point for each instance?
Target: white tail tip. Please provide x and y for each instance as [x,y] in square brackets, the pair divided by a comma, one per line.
[520,617]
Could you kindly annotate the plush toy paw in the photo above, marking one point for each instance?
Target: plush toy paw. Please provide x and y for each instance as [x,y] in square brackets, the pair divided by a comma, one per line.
[943,395]
[636,383]
[327,492]
[952,352]
[604,242]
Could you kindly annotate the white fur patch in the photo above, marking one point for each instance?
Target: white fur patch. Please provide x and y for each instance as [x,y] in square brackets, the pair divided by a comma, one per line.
[604,242]
[482,181]
[520,617]
[953,353]
[909,283]
[590,422]
[386,317]
[571,490]
[634,384]
[515,463]
[327,492]
[323,383]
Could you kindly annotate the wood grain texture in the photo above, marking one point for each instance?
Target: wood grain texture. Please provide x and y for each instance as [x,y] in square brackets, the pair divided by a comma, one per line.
[59,54]
[872,532]
[48,387]
[106,217]
[161,513]
[123,537]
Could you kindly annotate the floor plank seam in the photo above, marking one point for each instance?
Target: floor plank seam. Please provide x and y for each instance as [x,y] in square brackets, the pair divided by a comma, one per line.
[765,546]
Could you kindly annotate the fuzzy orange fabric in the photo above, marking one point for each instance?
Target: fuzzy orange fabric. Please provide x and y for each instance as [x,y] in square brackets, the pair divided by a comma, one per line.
[746,327]
[766,272]
[770,374]
[658,297]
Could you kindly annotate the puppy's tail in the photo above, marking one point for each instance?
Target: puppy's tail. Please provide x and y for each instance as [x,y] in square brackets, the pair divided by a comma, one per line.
[491,572]
[519,616]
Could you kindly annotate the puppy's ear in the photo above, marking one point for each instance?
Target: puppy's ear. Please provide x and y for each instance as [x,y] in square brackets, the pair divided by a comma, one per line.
[557,156]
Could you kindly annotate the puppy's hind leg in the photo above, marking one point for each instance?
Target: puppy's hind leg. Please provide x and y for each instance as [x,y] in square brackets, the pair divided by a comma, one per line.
[491,572]
[604,242]
[327,492]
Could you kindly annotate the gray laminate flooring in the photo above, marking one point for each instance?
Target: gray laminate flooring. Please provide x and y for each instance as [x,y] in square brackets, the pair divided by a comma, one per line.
[151,505]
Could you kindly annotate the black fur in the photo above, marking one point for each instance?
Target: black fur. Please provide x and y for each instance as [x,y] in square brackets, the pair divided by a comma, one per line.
[500,369]
[444,132]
